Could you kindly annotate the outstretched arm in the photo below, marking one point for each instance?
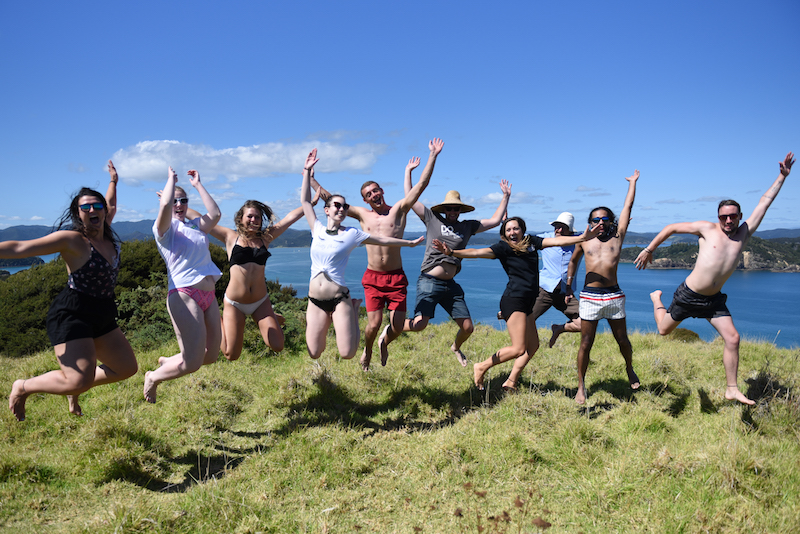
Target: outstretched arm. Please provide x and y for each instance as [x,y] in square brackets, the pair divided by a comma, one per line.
[291,218]
[411,199]
[213,214]
[305,189]
[321,191]
[695,228]
[393,241]
[497,218]
[442,247]
[111,193]
[766,199]
[164,217]
[567,240]
[625,216]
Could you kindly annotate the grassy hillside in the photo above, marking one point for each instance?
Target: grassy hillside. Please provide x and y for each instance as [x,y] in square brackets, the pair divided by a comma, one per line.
[281,443]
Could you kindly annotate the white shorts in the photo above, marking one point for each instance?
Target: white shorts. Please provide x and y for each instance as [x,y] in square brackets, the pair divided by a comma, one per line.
[602,303]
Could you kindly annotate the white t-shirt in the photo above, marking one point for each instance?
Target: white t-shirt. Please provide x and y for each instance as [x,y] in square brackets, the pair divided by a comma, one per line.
[329,253]
[184,248]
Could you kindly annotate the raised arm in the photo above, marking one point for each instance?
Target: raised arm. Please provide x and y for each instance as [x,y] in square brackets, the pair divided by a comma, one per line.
[766,199]
[442,247]
[164,217]
[305,188]
[410,201]
[213,214]
[292,217]
[322,193]
[567,240]
[625,216]
[111,193]
[695,228]
[497,218]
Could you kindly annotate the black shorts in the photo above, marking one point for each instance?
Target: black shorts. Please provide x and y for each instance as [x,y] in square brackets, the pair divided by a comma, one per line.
[686,303]
[515,303]
[76,315]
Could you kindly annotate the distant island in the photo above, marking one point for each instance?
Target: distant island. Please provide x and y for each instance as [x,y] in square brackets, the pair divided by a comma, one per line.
[777,255]
[22,262]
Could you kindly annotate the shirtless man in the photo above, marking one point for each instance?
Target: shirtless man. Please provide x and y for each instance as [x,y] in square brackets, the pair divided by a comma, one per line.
[601,297]
[384,280]
[721,246]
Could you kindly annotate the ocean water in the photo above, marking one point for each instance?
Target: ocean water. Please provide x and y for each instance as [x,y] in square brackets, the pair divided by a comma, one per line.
[760,302]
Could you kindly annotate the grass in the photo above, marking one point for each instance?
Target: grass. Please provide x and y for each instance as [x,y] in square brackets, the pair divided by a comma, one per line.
[280,443]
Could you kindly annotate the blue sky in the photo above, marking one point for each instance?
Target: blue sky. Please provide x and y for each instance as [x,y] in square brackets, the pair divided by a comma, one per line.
[563,99]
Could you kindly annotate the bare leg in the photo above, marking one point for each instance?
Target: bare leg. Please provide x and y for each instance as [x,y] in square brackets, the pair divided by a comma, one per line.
[517,325]
[390,333]
[558,329]
[345,324]
[374,319]
[531,346]
[465,329]
[269,324]
[620,330]
[730,357]
[16,401]
[664,321]
[232,327]
[588,332]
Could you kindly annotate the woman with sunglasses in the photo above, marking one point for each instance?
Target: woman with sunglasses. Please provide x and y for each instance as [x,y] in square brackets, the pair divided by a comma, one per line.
[81,323]
[516,251]
[331,245]
[191,275]
[246,293]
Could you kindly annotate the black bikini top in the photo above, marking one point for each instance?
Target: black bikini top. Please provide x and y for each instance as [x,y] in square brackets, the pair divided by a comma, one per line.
[242,255]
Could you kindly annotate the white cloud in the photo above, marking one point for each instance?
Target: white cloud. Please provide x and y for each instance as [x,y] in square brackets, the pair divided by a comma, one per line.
[37,218]
[710,199]
[149,160]
[584,189]
[669,201]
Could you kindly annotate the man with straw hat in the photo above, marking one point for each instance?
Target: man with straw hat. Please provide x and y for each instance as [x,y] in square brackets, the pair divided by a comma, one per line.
[435,284]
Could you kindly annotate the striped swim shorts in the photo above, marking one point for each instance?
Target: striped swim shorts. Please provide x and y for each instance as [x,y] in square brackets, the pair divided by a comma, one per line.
[602,303]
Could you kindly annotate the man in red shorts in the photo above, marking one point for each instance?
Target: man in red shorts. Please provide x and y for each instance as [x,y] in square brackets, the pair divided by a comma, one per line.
[384,281]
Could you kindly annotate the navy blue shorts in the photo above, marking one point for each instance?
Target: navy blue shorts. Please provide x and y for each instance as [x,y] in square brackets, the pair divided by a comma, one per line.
[446,293]
[686,303]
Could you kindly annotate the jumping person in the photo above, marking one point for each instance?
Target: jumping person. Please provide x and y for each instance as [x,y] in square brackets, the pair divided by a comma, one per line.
[435,284]
[81,323]
[331,245]
[601,297]
[191,275]
[721,246]
[385,281]
[517,253]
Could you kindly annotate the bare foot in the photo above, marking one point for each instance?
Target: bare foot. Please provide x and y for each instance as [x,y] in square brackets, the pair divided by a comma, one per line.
[655,296]
[365,359]
[731,393]
[509,386]
[281,319]
[462,359]
[74,407]
[149,388]
[633,379]
[478,373]
[557,329]
[16,401]
[580,397]
[383,346]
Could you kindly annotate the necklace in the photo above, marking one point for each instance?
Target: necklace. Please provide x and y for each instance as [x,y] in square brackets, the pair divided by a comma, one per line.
[335,231]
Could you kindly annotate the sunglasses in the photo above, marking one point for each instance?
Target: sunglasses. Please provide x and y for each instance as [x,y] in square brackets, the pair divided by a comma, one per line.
[177,201]
[340,206]
[452,208]
[732,217]
[598,219]
[96,205]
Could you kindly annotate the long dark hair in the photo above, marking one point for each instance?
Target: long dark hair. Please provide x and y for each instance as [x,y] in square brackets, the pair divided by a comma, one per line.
[611,231]
[266,213]
[519,247]
[71,220]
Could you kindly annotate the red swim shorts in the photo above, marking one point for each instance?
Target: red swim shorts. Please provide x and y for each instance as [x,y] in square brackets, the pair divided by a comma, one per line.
[385,288]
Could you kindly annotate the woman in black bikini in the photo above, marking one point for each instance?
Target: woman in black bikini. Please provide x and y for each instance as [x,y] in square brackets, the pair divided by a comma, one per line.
[81,323]
[517,253]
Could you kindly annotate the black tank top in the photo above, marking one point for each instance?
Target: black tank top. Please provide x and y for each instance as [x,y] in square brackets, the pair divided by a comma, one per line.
[242,255]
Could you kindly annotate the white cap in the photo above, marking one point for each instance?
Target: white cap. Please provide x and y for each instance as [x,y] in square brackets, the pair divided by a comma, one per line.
[565,218]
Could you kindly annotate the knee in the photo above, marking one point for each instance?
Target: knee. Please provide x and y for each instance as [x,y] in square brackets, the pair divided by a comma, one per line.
[129,370]
[230,355]
[80,382]
[277,345]
[732,340]
[468,327]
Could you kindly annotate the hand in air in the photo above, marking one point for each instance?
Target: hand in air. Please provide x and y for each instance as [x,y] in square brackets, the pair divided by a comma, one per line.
[311,160]
[634,177]
[786,165]
[441,247]
[435,145]
[195,178]
[113,172]
[417,241]
[644,257]
[505,187]
[413,163]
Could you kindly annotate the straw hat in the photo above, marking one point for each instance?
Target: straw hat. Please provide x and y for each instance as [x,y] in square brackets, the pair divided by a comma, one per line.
[452,198]
[565,218]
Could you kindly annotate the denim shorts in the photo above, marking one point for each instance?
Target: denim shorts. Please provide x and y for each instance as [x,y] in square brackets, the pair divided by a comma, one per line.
[446,293]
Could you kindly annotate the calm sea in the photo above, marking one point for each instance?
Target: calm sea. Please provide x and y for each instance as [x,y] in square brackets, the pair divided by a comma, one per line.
[761,302]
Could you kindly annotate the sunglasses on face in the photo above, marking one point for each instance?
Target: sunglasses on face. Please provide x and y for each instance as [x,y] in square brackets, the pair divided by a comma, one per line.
[177,201]
[96,205]
[732,217]
[598,219]
[452,208]
[340,206]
